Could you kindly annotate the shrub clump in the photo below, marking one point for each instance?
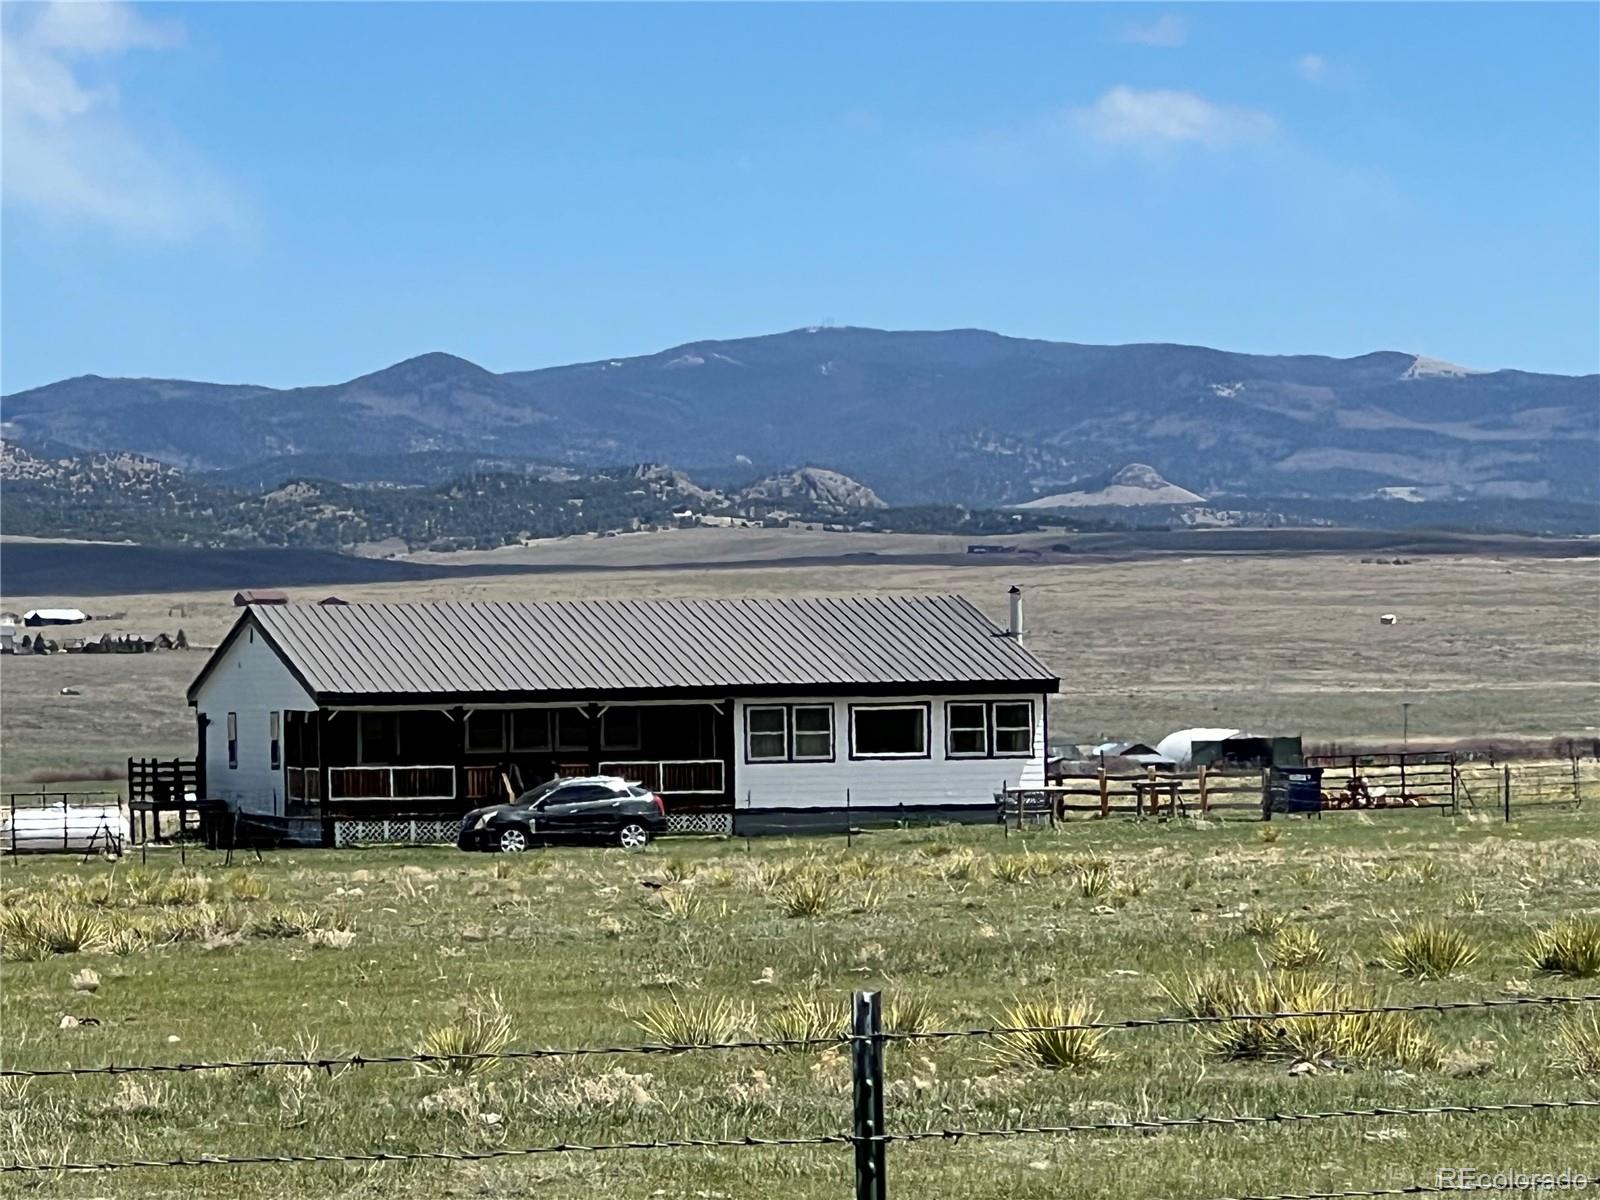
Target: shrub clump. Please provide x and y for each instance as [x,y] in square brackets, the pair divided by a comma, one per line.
[1362,1039]
[675,1022]
[1578,1044]
[469,1044]
[1296,948]
[1428,951]
[1570,948]
[1043,1036]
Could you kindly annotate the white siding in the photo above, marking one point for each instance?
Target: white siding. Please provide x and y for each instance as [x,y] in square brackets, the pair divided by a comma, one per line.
[935,780]
[252,681]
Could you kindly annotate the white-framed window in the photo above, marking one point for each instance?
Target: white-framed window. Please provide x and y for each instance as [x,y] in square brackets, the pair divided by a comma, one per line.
[275,739]
[619,729]
[766,733]
[530,729]
[966,729]
[233,741]
[486,731]
[812,732]
[888,731]
[1013,727]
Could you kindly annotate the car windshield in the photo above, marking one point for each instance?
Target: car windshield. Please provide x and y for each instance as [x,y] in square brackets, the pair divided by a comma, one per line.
[534,795]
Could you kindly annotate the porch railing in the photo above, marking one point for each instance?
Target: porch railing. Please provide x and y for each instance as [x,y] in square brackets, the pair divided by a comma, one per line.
[676,777]
[303,784]
[391,783]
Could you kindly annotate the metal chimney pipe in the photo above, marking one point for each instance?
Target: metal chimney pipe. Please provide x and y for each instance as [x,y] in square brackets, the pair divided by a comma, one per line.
[1015,626]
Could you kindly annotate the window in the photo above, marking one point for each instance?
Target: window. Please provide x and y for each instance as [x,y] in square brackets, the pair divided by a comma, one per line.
[233,741]
[530,729]
[967,730]
[766,733]
[486,731]
[619,729]
[275,739]
[813,732]
[988,728]
[1013,727]
[889,731]
[572,729]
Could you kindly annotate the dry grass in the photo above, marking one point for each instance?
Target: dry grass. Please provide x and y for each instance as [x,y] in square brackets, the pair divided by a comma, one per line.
[1506,646]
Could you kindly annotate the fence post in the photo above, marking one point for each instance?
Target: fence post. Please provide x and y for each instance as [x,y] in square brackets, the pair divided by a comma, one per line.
[1507,789]
[849,832]
[1205,796]
[1105,794]
[866,1062]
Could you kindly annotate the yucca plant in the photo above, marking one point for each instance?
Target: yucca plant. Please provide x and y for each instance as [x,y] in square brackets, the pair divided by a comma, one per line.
[1428,950]
[246,885]
[1296,948]
[469,1044]
[959,865]
[1570,948]
[909,1013]
[808,894]
[674,1022]
[1367,1039]
[1041,1042]
[809,1017]
[672,904]
[1578,1044]
[1016,868]
[1264,922]
[1095,879]
[35,933]
[292,921]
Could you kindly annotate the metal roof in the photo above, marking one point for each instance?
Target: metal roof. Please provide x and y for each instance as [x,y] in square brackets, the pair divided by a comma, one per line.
[600,648]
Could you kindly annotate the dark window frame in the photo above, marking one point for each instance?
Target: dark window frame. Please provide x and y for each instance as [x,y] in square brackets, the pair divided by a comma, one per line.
[233,741]
[754,760]
[789,733]
[472,718]
[926,708]
[555,730]
[521,715]
[275,739]
[637,744]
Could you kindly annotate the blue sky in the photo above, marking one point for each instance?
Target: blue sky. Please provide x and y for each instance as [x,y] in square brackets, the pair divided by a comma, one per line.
[300,193]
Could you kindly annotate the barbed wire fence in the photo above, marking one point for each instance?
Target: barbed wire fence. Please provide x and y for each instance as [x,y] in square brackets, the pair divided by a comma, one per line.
[868,1136]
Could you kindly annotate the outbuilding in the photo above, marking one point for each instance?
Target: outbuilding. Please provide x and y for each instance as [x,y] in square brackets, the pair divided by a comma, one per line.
[370,722]
[248,596]
[36,617]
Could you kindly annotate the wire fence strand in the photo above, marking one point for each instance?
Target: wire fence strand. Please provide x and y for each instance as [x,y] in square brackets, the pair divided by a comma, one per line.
[1146,1125]
[342,1061]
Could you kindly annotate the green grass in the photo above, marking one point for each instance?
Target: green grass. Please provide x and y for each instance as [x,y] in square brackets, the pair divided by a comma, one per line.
[383,951]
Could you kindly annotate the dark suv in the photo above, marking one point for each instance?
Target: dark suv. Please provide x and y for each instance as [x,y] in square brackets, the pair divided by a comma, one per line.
[595,808]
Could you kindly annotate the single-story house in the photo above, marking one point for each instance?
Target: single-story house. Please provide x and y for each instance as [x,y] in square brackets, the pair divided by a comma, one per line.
[248,596]
[367,722]
[54,616]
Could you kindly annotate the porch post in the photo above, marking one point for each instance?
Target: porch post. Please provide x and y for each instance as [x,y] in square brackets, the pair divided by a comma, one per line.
[458,760]
[592,712]
[324,793]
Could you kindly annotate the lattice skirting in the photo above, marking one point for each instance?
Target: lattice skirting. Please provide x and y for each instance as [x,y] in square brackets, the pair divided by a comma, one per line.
[700,822]
[354,833]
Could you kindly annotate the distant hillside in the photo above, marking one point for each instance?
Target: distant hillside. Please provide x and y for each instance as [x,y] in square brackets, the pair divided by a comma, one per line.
[1136,485]
[960,416]
[129,498]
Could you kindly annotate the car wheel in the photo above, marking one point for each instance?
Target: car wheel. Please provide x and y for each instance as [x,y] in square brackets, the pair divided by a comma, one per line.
[633,836]
[513,840]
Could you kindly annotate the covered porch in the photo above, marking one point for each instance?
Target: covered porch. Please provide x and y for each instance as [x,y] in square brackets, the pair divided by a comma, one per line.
[408,774]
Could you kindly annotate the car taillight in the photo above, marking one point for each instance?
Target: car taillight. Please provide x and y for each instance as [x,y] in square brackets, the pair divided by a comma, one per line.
[660,805]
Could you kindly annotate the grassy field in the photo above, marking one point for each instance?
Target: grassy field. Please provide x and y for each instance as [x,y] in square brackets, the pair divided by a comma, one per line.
[335,952]
[1484,646]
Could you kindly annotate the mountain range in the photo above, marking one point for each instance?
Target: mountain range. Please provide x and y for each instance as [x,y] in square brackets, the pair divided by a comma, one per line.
[959,416]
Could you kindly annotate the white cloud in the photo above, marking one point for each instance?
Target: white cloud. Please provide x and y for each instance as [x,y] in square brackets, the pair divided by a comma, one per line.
[69,157]
[1168,31]
[1160,117]
[1313,68]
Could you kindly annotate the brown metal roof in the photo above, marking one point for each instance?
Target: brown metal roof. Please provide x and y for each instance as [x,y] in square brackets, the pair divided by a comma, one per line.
[603,648]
